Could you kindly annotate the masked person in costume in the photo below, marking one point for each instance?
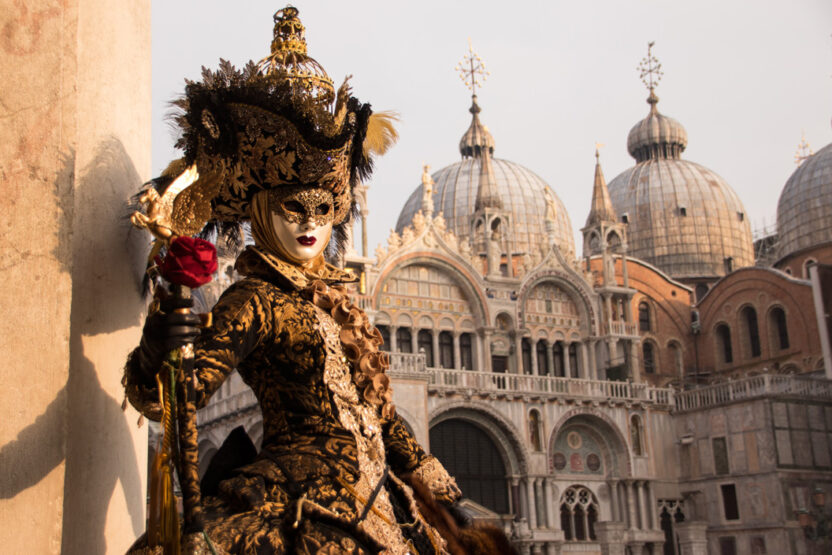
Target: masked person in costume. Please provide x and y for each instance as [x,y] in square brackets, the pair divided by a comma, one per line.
[275,145]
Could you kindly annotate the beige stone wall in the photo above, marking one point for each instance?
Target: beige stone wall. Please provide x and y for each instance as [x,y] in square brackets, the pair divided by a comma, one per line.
[74,144]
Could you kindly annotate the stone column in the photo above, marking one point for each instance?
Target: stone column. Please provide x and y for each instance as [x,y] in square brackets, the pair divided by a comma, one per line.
[614,508]
[550,365]
[486,351]
[364,214]
[542,505]
[643,519]
[592,364]
[635,361]
[516,502]
[652,507]
[531,503]
[434,335]
[693,539]
[394,348]
[518,353]
[457,357]
[522,498]
[74,145]
[535,369]
[631,505]
[549,503]
[567,365]
[611,536]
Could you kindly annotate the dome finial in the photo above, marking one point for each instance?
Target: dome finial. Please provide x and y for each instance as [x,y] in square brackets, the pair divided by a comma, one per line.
[650,72]
[803,149]
[477,138]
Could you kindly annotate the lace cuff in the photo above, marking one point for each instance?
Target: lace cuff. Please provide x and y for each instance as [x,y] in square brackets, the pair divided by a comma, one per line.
[436,478]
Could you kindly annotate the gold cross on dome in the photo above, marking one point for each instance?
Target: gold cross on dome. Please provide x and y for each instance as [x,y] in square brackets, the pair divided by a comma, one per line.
[803,149]
[472,69]
[650,70]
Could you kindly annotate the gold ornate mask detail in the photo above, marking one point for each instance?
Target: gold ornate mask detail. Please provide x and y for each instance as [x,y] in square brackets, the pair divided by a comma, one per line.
[302,204]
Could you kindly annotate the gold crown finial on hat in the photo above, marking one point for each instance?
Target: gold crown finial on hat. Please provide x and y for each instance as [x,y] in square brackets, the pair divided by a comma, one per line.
[289,60]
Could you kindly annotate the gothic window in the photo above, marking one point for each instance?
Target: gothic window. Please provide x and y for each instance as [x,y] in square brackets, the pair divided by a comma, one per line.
[749,317]
[404,340]
[542,363]
[385,336]
[723,336]
[534,430]
[670,514]
[578,514]
[527,355]
[425,344]
[573,360]
[557,358]
[466,351]
[648,357]
[777,323]
[636,435]
[643,317]
[472,458]
[446,350]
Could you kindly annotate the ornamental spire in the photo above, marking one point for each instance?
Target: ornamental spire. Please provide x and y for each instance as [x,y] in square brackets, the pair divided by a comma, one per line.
[601,209]
[650,73]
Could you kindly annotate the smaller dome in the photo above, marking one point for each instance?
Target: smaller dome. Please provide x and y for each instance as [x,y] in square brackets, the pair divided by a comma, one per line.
[477,138]
[804,211]
[656,136]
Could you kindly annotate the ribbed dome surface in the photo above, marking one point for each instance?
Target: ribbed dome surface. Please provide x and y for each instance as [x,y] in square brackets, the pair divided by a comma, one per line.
[656,136]
[683,218]
[521,192]
[804,211]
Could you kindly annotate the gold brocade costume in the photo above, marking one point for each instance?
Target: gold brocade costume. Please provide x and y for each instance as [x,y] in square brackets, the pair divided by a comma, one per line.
[325,448]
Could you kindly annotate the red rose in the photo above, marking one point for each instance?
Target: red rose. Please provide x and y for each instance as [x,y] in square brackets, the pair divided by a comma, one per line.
[189,261]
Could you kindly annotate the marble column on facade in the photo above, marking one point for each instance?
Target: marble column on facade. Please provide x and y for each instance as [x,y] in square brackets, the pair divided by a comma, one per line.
[631,505]
[434,336]
[531,503]
[586,370]
[521,507]
[635,361]
[514,497]
[567,364]
[614,508]
[549,503]
[542,505]
[641,497]
[518,354]
[394,347]
[486,351]
[652,508]
[592,364]
[535,369]
[457,359]
[550,365]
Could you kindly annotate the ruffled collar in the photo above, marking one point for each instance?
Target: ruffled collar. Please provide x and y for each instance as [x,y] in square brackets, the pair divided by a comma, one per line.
[256,262]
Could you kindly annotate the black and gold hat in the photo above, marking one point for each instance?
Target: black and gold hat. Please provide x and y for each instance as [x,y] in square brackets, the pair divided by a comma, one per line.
[276,123]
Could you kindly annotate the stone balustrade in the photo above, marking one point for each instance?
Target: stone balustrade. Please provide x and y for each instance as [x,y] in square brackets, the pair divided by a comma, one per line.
[751,388]
[621,329]
[218,408]
[442,380]
[407,363]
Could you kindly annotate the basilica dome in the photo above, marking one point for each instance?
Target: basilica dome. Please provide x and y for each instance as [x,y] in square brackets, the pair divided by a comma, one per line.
[804,211]
[682,217]
[519,191]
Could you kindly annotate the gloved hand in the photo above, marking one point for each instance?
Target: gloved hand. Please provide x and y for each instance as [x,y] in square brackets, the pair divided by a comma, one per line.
[461,516]
[169,328]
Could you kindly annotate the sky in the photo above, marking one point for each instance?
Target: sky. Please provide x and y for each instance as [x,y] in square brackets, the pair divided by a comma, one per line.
[746,78]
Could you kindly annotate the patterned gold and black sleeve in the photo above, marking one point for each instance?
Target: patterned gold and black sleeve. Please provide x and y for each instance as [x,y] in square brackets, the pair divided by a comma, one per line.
[241,320]
[406,456]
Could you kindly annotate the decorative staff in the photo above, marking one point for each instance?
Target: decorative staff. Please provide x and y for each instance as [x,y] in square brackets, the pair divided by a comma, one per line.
[187,264]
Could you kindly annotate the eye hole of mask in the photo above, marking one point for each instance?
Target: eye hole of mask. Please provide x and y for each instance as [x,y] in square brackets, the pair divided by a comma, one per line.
[322,210]
[294,206]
